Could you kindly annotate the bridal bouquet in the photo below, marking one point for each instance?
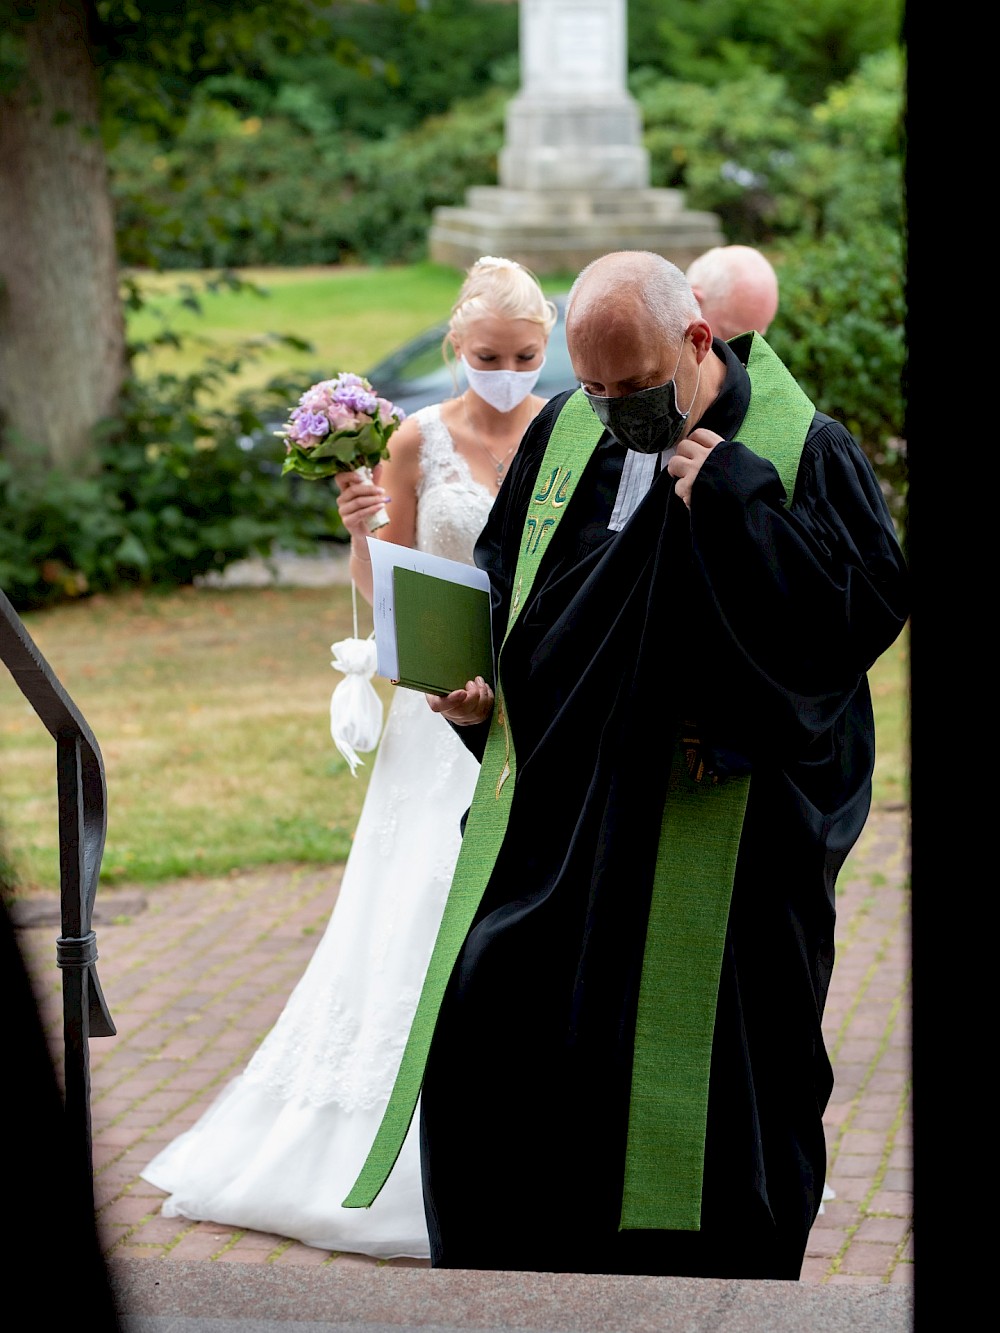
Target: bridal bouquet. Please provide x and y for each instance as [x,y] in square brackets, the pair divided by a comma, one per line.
[340,425]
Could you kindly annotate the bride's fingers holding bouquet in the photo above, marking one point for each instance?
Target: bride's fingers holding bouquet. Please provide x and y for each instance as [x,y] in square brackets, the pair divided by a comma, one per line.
[353,483]
[359,500]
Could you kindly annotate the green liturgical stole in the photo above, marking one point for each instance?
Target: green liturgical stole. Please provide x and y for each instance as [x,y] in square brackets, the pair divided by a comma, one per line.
[695,865]
[689,909]
[570,445]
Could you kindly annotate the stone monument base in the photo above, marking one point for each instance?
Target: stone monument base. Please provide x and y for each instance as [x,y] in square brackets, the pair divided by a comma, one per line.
[559,231]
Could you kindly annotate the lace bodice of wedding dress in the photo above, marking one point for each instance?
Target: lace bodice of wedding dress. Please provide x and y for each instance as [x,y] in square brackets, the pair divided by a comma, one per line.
[452,508]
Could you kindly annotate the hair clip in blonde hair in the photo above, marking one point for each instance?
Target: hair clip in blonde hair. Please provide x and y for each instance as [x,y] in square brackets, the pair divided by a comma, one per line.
[496,261]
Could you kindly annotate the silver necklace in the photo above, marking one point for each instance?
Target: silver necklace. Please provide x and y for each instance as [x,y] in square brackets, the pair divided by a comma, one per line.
[499,463]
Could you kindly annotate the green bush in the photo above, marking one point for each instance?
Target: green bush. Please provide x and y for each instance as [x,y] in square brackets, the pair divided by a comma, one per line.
[728,148]
[840,330]
[314,159]
[253,192]
[417,60]
[771,167]
[184,488]
[238,193]
[820,189]
[241,186]
[395,185]
[713,42]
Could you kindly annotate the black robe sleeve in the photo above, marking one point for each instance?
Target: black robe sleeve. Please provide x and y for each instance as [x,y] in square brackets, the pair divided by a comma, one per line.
[795,603]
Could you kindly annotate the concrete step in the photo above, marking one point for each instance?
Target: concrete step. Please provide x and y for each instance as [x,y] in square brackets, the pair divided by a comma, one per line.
[197,1297]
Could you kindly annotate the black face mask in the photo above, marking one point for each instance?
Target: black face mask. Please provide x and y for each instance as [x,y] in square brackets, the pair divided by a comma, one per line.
[647,421]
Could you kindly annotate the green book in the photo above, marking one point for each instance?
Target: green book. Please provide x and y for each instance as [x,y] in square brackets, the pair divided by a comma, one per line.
[443,632]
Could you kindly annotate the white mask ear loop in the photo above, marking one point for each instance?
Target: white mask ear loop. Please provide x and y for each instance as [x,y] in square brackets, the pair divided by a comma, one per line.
[697,386]
[667,454]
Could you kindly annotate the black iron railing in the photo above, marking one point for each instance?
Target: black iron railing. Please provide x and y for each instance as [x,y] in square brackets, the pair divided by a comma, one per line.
[82,794]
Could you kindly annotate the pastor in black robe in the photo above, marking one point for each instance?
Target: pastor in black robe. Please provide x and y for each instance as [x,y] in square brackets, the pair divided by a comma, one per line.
[757,621]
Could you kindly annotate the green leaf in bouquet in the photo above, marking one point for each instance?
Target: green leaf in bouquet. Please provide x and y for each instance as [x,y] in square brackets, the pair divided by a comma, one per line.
[301,462]
[343,445]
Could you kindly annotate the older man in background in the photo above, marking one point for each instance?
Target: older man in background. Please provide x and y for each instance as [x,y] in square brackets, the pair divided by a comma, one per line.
[736,288]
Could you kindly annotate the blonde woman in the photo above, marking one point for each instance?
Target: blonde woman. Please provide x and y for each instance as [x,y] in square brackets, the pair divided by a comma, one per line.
[283,1143]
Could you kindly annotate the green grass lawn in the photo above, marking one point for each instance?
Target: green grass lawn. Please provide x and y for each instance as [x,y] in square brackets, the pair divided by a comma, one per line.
[211,708]
[889,681]
[352,316]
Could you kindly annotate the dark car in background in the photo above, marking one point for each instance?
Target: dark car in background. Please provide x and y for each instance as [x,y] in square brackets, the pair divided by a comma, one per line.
[415,375]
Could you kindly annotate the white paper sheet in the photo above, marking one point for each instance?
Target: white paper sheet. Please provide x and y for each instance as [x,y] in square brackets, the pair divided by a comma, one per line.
[385,556]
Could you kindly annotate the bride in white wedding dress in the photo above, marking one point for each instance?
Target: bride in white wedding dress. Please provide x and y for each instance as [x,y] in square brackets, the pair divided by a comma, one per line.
[284,1141]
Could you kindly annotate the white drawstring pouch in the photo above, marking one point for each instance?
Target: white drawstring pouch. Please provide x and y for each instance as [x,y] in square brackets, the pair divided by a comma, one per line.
[355,708]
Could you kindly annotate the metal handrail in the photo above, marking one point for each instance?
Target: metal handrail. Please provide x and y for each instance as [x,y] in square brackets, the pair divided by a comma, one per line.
[83,822]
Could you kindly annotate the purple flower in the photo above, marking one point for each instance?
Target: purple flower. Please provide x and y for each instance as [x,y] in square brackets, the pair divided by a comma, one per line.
[311,423]
[389,412]
[358,399]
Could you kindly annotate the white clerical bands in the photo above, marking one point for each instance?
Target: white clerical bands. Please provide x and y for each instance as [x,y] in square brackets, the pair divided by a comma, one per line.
[636,479]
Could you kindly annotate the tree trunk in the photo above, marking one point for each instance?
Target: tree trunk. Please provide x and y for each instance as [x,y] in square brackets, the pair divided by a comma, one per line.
[62,337]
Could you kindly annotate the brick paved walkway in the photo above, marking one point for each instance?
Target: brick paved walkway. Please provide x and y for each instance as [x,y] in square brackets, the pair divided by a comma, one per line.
[195,973]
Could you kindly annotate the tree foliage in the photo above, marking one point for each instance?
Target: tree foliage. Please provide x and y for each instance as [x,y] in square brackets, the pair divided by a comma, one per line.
[840,330]
[711,42]
[184,488]
[439,53]
[240,192]
[154,55]
[773,168]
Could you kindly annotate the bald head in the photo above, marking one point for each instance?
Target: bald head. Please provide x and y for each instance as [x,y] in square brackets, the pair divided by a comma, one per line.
[736,288]
[633,285]
[632,323]
[626,318]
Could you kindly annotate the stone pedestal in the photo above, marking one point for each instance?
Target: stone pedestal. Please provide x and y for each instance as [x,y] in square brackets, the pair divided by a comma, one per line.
[574,176]
[559,231]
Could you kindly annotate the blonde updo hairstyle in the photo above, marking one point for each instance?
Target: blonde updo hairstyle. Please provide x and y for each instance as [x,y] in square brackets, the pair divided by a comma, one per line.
[502,288]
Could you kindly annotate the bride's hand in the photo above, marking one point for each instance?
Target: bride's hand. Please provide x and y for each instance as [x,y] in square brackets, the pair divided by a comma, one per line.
[359,500]
[465,708]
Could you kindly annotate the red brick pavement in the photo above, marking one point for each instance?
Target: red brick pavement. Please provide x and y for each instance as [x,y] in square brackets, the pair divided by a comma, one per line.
[196,972]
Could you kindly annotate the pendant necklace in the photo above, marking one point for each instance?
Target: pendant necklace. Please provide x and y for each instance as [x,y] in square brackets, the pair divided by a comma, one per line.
[499,463]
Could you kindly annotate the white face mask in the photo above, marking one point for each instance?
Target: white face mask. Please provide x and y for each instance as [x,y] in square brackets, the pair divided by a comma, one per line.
[502,389]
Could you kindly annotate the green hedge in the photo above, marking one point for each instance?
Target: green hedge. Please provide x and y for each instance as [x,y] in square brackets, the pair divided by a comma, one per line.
[240,192]
[840,330]
[772,168]
[184,488]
